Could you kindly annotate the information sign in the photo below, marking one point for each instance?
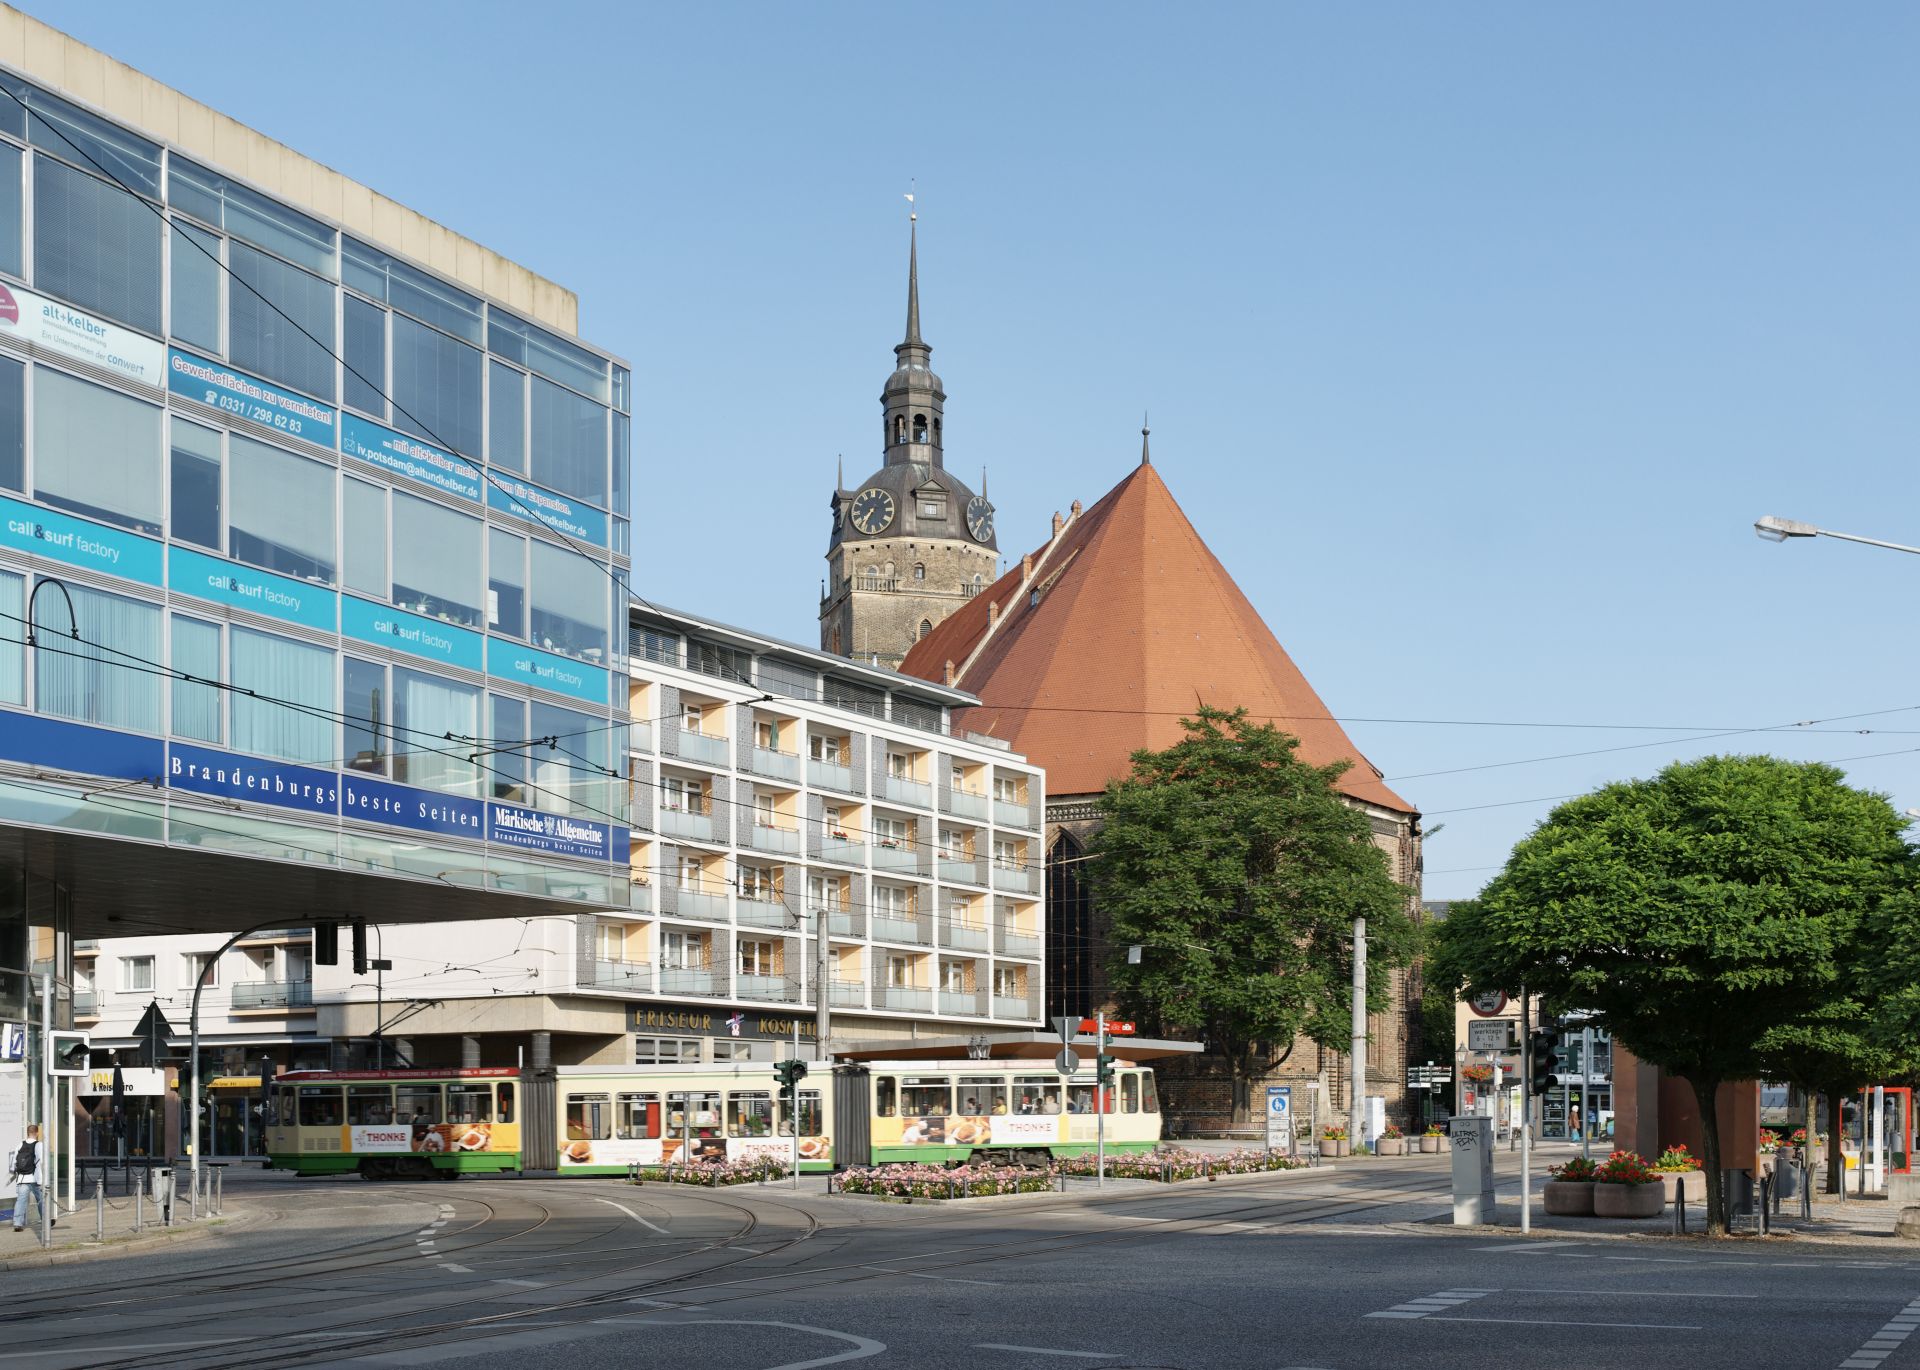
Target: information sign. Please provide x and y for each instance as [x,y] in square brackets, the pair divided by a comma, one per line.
[1279,1114]
[1495,1034]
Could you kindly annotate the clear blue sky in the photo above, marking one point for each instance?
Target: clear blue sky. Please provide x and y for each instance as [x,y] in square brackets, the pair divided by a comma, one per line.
[1475,336]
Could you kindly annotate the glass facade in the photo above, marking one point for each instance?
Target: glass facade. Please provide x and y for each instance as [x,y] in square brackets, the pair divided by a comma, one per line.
[258,456]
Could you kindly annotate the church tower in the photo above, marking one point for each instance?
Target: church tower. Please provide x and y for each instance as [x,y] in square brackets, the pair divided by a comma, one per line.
[911,544]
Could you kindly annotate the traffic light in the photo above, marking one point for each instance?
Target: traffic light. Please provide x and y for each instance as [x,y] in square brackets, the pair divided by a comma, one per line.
[1103,1069]
[789,1074]
[326,944]
[1540,1058]
[69,1053]
[360,946]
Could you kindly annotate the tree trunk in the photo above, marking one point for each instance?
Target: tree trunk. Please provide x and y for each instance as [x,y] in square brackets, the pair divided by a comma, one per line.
[1812,1128]
[1706,1092]
[1836,1161]
[1240,1088]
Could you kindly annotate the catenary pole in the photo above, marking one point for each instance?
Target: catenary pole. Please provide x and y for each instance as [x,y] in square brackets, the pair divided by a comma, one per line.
[1357,1066]
[1526,1113]
[822,1008]
[193,1063]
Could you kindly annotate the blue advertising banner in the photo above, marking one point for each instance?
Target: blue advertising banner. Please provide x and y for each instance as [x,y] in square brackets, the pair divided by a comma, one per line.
[229,776]
[249,397]
[244,587]
[78,542]
[380,801]
[530,666]
[76,747]
[559,513]
[549,833]
[399,631]
[371,442]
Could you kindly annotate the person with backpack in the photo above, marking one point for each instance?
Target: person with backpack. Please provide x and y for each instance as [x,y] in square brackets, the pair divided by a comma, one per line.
[29,1177]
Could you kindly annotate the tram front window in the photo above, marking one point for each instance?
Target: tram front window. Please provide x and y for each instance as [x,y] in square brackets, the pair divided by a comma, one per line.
[320,1106]
[1149,1096]
[369,1105]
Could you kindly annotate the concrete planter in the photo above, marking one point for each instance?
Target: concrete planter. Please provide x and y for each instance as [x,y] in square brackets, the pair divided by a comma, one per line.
[1571,1198]
[1330,1147]
[1693,1184]
[1627,1200]
[1390,1146]
[1431,1145]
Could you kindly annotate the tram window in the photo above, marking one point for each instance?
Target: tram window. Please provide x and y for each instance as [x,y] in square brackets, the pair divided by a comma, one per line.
[811,1122]
[369,1105]
[319,1106]
[469,1103]
[286,1114]
[926,1096]
[1129,1093]
[749,1114]
[1036,1093]
[588,1116]
[983,1094]
[705,1110]
[417,1105]
[636,1117]
[1149,1097]
[883,1098]
[506,1101]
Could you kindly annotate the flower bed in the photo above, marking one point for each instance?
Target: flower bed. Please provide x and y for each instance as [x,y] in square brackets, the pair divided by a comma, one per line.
[942,1182]
[1171,1164]
[713,1174]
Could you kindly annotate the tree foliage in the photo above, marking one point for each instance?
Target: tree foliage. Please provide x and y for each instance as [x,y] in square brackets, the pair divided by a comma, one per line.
[1238,869]
[1710,916]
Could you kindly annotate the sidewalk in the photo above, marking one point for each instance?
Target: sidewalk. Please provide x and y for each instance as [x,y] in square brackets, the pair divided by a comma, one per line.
[88,1232]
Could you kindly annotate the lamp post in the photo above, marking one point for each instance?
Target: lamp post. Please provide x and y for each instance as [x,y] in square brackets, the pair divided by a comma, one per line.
[1774,529]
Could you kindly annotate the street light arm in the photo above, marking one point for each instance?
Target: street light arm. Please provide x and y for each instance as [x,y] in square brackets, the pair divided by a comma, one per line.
[1779,530]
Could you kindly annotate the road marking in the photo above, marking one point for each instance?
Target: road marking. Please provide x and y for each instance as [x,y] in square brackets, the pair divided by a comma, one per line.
[1566,1322]
[527,1284]
[1136,1218]
[1433,1303]
[1886,1341]
[863,1347]
[635,1216]
[457,1269]
[1638,1293]
[1027,1350]
[1531,1246]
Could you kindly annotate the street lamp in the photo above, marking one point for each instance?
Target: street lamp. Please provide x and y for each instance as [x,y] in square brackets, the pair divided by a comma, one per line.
[1775,529]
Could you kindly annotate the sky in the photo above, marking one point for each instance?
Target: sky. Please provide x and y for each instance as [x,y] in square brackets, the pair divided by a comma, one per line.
[1474,338]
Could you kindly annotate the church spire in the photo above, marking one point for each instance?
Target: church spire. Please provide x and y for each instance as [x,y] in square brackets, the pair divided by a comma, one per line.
[1146,457]
[913,281]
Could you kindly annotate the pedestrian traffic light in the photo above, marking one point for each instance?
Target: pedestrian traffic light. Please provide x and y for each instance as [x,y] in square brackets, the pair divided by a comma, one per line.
[68,1053]
[360,946]
[1541,1043]
[1103,1069]
[326,944]
[789,1073]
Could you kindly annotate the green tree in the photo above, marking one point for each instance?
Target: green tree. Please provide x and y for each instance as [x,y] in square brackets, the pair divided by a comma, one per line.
[1702,914]
[1239,869]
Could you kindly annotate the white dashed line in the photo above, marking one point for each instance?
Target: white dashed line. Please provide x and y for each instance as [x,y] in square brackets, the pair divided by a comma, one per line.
[1887,1340]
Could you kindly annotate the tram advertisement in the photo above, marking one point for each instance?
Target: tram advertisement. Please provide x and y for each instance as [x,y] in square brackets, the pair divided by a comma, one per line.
[960,1129]
[625,1151]
[426,1138]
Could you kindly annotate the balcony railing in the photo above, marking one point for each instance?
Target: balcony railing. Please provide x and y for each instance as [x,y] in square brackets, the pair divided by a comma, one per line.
[914,792]
[964,936]
[1013,1006]
[768,988]
[694,903]
[761,913]
[1013,813]
[82,945]
[1017,943]
[908,997]
[776,765]
[699,747]
[847,993]
[86,1004]
[640,736]
[828,775]
[680,980]
[964,803]
[1019,879]
[899,855]
[842,851]
[961,871]
[960,1001]
[767,837]
[273,994]
[845,923]
[680,822]
[887,929]
[632,977]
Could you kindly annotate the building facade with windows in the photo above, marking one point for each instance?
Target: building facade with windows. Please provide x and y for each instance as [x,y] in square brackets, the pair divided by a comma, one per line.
[312,513]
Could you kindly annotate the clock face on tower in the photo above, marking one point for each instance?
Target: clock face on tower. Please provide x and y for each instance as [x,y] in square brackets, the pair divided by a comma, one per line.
[872,510]
[980,518]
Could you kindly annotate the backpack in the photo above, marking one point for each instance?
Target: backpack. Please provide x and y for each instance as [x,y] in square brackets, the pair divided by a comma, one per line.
[27,1158]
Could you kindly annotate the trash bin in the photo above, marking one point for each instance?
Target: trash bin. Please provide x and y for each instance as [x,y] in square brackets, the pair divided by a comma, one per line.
[1786,1175]
[1737,1187]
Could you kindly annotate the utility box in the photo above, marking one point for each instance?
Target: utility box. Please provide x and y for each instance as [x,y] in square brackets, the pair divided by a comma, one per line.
[1471,1142]
[160,1186]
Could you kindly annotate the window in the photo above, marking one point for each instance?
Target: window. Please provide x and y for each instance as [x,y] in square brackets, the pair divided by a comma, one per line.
[553,357]
[363,538]
[589,1117]
[196,486]
[764,814]
[251,217]
[729,663]
[96,245]
[756,957]
[899,972]
[80,681]
[469,1103]
[279,511]
[136,974]
[750,1114]
[926,627]
[825,749]
[417,1104]
[372,272]
[507,583]
[824,892]
[919,427]
[369,1105]
[894,901]
[569,443]
[365,329]
[1006,789]
[683,950]
[919,571]
[13,424]
[320,1106]
[698,1112]
[926,1096]
[983,1095]
[279,668]
[96,452]
[899,766]
[569,602]
[425,710]
[191,964]
[436,387]
[13,652]
[1009,855]
[1129,1092]
[1009,982]
[658,1051]
[366,716]
[280,321]
[577,778]
[683,796]
[830,819]
[734,1051]
[196,708]
[933,505]
[636,1117]
[766,734]
[197,284]
[1036,1093]
[436,560]
[892,832]
[508,768]
[609,941]
[506,418]
[953,977]
[756,882]
[1149,1094]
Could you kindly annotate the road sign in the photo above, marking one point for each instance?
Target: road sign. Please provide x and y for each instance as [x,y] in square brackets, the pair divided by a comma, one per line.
[152,1037]
[1066,1062]
[1115,1027]
[1066,1027]
[1279,1114]
[1489,1005]
[1493,1034]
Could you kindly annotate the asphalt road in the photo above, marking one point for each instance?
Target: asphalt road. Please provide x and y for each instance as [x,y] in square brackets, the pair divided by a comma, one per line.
[1329,1270]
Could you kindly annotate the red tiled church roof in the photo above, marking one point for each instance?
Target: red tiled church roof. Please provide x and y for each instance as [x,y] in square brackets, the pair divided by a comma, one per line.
[1136,621]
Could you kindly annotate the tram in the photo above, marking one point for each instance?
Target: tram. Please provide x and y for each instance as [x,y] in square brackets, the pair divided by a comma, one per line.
[599,1120]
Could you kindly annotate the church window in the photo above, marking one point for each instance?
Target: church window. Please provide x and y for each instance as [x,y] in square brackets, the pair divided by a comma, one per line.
[872,577]
[919,427]
[919,570]
[976,582]
[936,432]
[889,575]
[926,627]
[899,427]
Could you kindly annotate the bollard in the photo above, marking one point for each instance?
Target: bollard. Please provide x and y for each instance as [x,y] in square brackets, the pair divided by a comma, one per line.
[219,1190]
[1806,1191]
[136,1210]
[1679,1208]
[100,1209]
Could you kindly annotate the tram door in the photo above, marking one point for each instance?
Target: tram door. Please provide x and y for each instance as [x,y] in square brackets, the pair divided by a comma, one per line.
[852,1116]
[539,1138]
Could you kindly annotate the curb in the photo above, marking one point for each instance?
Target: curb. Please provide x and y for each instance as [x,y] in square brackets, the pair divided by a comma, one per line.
[132,1245]
[1084,1190]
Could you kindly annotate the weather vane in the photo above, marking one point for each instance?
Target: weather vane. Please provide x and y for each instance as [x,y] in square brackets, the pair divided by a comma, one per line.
[913,214]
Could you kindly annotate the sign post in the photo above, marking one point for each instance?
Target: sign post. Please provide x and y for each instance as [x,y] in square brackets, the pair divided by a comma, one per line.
[1100,1077]
[1280,1116]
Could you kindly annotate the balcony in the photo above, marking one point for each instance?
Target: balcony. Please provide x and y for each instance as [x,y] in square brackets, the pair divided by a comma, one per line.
[1013,813]
[1014,1006]
[1013,943]
[629,977]
[761,913]
[901,791]
[847,993]
[908,998]
[843,851]
[640,736]
[896,855]
[767,988]
[86,1004]
[827,775]
[681,980]
[964,936]
[692,903]
[273,994]
[886,929]
[961,871]
[775,765]
[845,923]
[960,1001]
[770,838]
[964,804]
[1017,879]
[683,822]
[86,946]
[711,751]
